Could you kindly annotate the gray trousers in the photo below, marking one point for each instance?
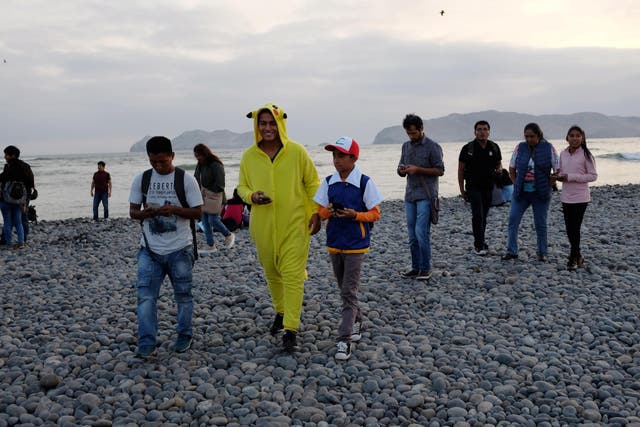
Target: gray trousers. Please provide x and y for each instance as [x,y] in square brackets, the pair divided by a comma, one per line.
[347,267]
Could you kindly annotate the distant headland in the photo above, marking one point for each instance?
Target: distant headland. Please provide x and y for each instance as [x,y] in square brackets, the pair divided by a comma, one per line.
[454,127]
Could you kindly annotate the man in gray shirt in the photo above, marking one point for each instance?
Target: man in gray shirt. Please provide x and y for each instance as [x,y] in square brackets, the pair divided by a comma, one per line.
[421,162]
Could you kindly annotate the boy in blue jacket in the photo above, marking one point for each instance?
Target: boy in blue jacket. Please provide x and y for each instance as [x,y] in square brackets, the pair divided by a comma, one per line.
[349,200]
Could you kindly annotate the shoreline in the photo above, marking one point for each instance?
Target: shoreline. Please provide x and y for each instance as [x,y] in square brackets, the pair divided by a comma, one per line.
[592,186]
[484,341]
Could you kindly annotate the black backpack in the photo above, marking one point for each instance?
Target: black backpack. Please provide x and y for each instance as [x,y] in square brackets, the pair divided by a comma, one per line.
[178,185]
[14,192]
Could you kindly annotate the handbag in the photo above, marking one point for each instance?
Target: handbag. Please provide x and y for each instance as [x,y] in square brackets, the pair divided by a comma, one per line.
[434,204]
[212,201]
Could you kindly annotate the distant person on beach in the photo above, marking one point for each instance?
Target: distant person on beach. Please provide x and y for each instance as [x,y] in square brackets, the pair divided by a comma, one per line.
[101,190]
[530,170]
[166,243]
[278,178]
[17,184]
[421,162]
[478,164]
[349,200]
[210,176]
[577,168]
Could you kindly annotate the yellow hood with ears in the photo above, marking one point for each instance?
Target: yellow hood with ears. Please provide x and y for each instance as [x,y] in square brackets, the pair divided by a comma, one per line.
[278,114]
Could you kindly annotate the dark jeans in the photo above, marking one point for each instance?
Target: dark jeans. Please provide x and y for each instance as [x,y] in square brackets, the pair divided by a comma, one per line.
[573,215]
[480,203]
[100,198]
[347,268]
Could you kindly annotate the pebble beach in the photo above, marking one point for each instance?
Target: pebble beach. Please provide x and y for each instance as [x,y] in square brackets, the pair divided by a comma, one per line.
[484,342]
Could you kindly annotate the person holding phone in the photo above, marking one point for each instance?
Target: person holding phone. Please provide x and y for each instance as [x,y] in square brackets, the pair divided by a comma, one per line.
[349,200]
[278,179]
[421,163]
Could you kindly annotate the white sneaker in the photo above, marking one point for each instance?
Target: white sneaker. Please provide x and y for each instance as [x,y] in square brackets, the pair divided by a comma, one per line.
[230,240]
[480,252]
[356,332]
[344,351]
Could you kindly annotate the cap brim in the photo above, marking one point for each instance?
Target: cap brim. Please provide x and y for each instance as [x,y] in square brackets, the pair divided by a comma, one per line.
[331,147]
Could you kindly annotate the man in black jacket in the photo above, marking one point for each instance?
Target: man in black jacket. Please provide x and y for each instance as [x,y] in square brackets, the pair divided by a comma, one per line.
[16,170]
[479,162]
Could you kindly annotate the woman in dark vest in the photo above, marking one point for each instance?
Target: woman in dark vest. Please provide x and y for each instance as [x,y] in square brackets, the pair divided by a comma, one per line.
[530,170]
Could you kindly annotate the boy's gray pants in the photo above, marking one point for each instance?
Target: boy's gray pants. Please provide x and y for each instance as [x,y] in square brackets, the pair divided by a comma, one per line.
[346,268]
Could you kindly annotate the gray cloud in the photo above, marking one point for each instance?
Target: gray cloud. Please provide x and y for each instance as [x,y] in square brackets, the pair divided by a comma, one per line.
[119,73]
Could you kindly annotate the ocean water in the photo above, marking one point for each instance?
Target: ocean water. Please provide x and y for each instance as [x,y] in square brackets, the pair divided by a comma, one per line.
[64,181]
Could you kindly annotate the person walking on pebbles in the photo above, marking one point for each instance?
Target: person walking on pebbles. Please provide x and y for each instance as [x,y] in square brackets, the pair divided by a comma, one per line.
[421,162]
[479,163]
[349,200]
[577,168]
[279,180]
[101,190]
[210,176]
[170,200]
[530,170]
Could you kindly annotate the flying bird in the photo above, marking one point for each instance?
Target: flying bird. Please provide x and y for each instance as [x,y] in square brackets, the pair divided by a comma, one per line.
[442,13]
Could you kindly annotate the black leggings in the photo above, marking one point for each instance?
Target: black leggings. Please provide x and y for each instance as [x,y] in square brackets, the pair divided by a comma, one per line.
[573,215]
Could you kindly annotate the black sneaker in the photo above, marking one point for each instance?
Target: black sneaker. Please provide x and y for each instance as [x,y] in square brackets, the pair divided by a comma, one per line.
[146,352]
[277,325]
[572,265]
[411,274]
[424,275]
[580,261]
[344,350]
[289,341]
[508,256]
[542,258]
[183,343]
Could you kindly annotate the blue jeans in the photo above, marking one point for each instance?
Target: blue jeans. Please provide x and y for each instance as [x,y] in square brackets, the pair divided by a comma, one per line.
[213,223]
[151,273]
[540,209]
[12,217]
[97,198]
[418,215]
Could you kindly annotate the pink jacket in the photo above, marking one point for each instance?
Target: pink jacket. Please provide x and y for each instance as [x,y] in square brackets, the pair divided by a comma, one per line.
[580,172]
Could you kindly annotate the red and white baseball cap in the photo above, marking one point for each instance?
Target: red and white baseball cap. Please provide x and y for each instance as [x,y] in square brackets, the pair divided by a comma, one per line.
[345,145]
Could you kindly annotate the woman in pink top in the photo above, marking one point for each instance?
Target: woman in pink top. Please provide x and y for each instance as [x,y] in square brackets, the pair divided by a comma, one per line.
[577,169]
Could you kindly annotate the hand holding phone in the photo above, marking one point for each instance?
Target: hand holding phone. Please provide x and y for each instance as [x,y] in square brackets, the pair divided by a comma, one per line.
[337,207]
[260,198]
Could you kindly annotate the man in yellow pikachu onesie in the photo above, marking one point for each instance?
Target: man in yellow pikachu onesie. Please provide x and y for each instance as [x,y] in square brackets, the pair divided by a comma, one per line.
[279,180]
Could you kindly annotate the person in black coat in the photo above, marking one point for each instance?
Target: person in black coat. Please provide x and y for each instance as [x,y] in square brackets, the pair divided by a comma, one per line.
[15,215]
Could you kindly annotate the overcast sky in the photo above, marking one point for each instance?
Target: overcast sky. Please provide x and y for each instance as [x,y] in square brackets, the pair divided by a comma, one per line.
[96,76]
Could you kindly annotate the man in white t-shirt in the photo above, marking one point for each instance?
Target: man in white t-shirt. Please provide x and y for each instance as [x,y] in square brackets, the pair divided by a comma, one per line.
[166,244]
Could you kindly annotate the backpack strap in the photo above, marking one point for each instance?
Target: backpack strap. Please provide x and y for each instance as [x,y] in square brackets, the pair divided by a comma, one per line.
[178,185]
[146,181]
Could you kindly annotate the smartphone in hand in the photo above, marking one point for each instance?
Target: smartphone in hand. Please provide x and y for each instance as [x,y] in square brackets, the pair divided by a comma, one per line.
[337,207]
